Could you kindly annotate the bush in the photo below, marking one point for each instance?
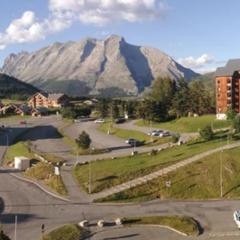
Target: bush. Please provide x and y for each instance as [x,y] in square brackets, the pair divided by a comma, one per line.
[3,236]
[236,124]
[72,113]
[84,140]
[207,133]
[175,138]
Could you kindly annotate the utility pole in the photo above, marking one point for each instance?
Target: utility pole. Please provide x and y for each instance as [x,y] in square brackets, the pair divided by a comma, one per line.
[89,178]
[221,174]
[151,132]
[15,230]
[7,139]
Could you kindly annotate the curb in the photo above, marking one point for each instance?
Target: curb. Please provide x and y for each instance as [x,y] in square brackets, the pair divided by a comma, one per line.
[160,226]
[41,188]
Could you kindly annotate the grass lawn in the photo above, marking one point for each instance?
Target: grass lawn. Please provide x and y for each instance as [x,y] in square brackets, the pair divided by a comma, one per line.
[184,224]
[18,149]
[67,232]
[199,180]
[45,172]
[111,172]
[188,124]
[125,134]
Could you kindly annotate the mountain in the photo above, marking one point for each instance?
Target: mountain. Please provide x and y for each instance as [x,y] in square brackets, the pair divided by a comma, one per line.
[11,86]
[91,66]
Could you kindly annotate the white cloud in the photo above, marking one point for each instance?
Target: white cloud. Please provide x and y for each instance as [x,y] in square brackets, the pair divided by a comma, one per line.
[191,62]
[101,12]
[62,13]
[203,64]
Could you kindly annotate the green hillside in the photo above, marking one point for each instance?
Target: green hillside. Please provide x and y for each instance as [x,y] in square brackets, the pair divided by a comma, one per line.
[10,86]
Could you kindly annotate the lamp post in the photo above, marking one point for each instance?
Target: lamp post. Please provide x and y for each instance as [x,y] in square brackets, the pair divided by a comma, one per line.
[89,178]
[7,139]
[15,228]
[221,175]
[151,131]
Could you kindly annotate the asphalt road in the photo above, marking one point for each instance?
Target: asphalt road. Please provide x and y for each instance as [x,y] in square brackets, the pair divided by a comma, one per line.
[35,208]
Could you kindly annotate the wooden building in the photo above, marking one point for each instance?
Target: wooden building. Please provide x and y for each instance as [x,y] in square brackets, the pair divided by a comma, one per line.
[228,88]
[55,100]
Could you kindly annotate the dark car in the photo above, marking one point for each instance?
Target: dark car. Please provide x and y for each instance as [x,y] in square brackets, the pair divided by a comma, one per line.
[120,120]
[134,142]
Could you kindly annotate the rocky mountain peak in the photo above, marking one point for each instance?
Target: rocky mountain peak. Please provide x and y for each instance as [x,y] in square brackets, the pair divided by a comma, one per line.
[110,65]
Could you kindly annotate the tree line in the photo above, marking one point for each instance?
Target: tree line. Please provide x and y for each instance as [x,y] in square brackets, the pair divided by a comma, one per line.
[166,100]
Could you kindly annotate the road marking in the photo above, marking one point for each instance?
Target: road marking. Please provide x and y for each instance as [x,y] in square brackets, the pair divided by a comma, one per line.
[225,234]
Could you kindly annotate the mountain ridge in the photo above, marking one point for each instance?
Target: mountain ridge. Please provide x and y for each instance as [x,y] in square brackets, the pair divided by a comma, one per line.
[92,66]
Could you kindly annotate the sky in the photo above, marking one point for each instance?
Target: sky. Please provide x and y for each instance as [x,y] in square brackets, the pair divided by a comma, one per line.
[201,35]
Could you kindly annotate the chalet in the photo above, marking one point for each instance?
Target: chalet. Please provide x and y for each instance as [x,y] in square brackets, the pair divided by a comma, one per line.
[55,100]
[12,109]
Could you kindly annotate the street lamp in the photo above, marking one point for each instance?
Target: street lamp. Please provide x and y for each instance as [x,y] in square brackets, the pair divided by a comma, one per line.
[89,178]
[15,228]
[7,139]
[221,174]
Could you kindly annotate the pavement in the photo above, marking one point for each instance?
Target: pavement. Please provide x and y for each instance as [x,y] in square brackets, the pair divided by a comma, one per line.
[34,207]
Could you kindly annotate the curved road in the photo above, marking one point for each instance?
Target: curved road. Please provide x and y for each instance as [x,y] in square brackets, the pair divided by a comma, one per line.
[34,208]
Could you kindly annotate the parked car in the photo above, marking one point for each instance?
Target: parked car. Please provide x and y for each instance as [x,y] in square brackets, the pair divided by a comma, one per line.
[155,132]
[133,142]
[23,122]
[164,134]
[120,120]
[100,120]
[236,218]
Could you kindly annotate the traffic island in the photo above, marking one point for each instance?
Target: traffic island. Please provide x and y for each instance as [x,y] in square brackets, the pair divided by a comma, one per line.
[182,225]
[67,232]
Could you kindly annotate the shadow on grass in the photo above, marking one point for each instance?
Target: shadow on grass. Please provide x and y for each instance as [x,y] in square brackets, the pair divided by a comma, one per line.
[122,237]
[231,189]
[108,178]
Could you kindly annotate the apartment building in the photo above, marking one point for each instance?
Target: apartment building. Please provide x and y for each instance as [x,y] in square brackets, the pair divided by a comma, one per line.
[228,88]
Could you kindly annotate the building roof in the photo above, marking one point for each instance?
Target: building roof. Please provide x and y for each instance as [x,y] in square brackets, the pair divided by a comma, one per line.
[55,96]
[231,66]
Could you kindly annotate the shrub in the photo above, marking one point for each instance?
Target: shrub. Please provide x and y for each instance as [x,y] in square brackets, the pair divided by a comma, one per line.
[236,124]
[175,137]
[84,140]
[3,236]
[207,133]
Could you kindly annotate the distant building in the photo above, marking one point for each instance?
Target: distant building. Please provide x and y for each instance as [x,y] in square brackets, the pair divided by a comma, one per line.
[12,109]
[55,100]
[228,88]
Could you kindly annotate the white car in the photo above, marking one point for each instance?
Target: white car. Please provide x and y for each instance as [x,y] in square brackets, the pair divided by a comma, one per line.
[164,134]
[155,132]
[100,120]
[236,217]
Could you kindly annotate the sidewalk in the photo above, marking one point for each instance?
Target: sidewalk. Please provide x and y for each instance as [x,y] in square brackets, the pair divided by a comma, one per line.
[159,173]
[75,193]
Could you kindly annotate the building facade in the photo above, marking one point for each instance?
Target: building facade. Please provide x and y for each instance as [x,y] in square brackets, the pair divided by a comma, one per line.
[227,84]
[39,100]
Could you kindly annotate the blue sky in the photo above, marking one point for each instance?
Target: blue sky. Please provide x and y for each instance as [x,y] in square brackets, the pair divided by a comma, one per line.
[199,34]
